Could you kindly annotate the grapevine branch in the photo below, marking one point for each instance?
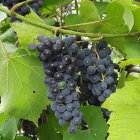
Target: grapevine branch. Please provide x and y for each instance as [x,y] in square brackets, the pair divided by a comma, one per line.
[87,23]
[132,68]
[70,32]
[135,69]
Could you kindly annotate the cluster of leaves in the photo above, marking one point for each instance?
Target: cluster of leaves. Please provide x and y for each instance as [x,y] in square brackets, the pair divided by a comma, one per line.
[23,93]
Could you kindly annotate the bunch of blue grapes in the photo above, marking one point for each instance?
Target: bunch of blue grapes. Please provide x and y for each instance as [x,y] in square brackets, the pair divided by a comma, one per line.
[60,66]
[24,9]
[98,72]
[29,129]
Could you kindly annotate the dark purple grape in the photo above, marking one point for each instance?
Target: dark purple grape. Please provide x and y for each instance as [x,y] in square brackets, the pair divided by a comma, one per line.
[58,115]
[58,76]
[61,67]
[40,47]
[42,57]
[72,129]
[40,38]
[60,43]
[61,108]
[67,115]
[54,90]
[75,113]
[66,91]
[76,121]
[68,99]
[62,122]
[48,53]
[32,47]
[101,98]
[54,106]
[87,61]
[71,85]
[107,93]
[109,80]
[70,69]
[66,59]
[91,70]
[69,107]
[101,68]
[102,86]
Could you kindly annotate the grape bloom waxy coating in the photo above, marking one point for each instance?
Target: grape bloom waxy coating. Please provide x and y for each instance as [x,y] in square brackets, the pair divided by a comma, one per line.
[63,60]
[60,66]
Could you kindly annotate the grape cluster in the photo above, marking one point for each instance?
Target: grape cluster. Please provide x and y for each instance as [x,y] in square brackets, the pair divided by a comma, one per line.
[60,66]
[29,129]
[24,9]
[97,72]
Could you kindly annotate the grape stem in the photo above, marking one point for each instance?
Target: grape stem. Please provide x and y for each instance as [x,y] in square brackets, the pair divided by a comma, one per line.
[12,12]
[70,32]
[94,39]
[87,23]
[95,51]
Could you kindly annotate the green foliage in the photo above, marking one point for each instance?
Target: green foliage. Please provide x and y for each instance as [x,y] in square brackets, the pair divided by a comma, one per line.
[21,138]
[47,131]
[124,121]
[85,7]
[101,7]
[53,122]
[2,16]
[3,118]
[80,135]
[22,28]
[132,49]
[122,79]
[129,62]
[128,18]
[20,75]
[8,129]
[94,119]
[23,93]
[55,2]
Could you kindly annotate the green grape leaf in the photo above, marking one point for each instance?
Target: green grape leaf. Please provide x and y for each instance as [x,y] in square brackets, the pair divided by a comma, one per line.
[97,125]
[128,18]
[129,62]
[27,33]
[114,23]
[21,138]
[2,16]
[127,4]
[136,13]
[49,21]
[80,135]
[95,121]
[54,2]
[9,36]
[132,77]
[125,106]
[90,8]
[93,15]
[23,93]
[53,121]
[9,40]
[122,79]
[3,117]
[47,132]
[132,49]
[101,7]
[8,129]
